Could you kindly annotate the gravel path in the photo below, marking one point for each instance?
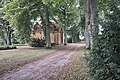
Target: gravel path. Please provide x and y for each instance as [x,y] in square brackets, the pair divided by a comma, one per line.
[47,68]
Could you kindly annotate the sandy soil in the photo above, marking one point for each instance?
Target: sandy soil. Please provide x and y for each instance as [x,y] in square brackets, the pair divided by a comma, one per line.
[47,68]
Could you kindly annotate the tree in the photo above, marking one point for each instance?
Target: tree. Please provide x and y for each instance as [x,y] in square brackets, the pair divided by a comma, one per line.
[20,13]
[65,15]
[5,28]
[7,32]
[48,42]
[90,21]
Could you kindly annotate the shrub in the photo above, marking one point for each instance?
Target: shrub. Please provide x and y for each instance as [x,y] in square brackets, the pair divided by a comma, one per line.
[37,42]
[7,47]
[104,60]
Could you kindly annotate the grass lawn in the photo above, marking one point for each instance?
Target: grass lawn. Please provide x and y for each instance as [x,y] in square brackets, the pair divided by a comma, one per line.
[12,59]
[77,70]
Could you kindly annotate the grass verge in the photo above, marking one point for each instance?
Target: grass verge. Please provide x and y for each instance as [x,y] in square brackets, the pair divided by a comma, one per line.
[77,69]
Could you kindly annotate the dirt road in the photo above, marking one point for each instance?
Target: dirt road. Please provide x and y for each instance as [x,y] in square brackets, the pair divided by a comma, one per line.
[47,68]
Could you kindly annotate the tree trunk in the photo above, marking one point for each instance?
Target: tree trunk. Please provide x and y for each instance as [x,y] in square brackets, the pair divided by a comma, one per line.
[87,23]
[9,38]
[93,18]
[65,31]
[7,34]
[48,42]
[78,37]
[6,37]
[65,36]
[90,19]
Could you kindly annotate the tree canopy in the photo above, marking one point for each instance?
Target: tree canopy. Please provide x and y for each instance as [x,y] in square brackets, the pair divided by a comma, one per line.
[20,13]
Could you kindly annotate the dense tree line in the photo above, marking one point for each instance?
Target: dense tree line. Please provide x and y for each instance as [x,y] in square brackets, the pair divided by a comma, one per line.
[19,13]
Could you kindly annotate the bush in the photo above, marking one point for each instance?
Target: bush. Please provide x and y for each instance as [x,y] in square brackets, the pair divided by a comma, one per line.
[37,42]
[7,47]
[104,60]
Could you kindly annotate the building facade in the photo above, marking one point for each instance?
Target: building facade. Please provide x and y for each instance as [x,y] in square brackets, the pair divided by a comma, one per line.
[56,32]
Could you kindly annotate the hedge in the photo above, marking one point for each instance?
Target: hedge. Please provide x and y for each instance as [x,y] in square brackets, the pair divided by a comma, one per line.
[7,47]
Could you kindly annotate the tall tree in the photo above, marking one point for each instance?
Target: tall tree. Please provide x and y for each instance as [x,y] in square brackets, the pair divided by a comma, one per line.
[5,28]
[90,21]
[7,32]
[47,26]
[66,15]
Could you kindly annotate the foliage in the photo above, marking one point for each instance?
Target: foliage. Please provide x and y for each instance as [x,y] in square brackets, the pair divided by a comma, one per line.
[37,42]
[3,23]
[7,47]
[104,60]
[20,13]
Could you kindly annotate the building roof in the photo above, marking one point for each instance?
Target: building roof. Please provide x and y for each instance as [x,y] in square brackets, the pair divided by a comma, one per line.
[53,24]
